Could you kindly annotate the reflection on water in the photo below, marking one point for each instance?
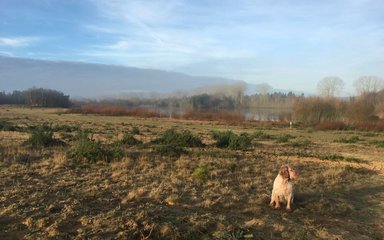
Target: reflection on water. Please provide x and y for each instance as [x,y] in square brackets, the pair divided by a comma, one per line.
[268,114]
[254,114]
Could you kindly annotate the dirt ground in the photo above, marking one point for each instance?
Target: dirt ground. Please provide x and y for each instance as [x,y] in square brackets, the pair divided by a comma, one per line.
[204,193]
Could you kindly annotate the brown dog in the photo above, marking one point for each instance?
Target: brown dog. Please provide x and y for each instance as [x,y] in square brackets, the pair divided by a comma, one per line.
[283,187]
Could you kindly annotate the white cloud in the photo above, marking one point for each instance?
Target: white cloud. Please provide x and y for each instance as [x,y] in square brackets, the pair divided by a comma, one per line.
[18,41]
[281,39]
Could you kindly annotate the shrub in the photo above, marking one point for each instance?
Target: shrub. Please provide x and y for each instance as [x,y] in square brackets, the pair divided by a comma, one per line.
[93,151]
[42,136]
[241,142]
[183,139]
[222,138]
[228,139]
[130,140]
[201,172]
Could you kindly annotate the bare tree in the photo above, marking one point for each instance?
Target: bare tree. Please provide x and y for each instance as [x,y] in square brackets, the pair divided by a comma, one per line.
[330,86]
[368,84]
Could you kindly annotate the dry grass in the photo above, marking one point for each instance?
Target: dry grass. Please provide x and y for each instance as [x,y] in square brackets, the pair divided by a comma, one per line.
[206,193]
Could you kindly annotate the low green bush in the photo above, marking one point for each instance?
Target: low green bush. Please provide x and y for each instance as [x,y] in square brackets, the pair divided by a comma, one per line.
[92,151]
[228,139]
[181,139]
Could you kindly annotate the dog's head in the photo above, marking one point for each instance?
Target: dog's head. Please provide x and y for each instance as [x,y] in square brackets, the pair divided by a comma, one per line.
[288,172]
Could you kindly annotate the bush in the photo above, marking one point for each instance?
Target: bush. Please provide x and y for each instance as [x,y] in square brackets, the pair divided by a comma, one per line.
[222,138]
[93,151]
[183,139]
[241,142]
[42,136]
[130,140]
[228,139]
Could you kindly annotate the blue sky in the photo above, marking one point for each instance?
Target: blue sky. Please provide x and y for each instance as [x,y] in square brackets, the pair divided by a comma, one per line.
[289,44]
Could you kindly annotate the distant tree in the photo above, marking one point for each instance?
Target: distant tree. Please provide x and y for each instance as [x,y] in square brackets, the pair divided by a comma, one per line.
[368,84]
[263,88]
[330,86]
[40,97]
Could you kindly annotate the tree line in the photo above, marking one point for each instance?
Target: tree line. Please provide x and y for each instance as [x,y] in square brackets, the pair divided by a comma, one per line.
[36,97]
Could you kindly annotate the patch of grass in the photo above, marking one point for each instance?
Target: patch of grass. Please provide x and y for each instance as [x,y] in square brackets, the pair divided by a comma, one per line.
[92,151]
[356,160]
[228,139]
[221,153]
[301,143]
[65,128]
[261,135]
[135,130]
[284,138]
[331,157]
[377,143]
[232,167]
[6,126]
[353,139]
[172,151]
[129,140]
[201,172]
[181,139]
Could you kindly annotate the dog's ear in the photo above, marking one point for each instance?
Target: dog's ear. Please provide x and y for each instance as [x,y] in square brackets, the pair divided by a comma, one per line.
[284,171]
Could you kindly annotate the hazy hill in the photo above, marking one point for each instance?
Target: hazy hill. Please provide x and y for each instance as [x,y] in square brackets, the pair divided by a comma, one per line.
[94,80]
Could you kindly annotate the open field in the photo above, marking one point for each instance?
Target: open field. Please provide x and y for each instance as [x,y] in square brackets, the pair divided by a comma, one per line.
[149,189]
